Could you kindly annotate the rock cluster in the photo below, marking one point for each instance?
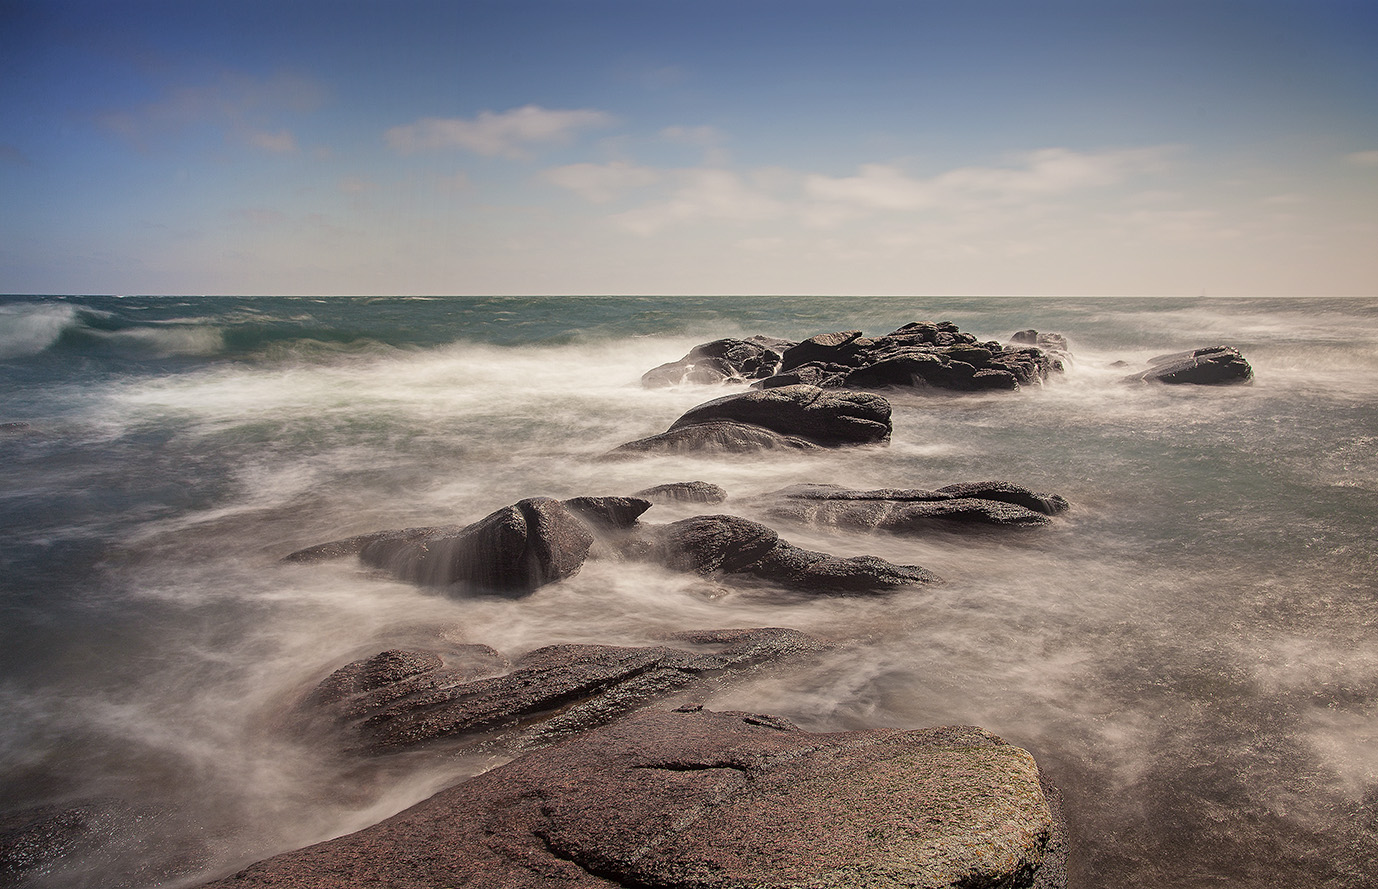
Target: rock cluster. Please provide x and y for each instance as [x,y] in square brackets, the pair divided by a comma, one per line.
[1215,366]
[922,354]
[693,798]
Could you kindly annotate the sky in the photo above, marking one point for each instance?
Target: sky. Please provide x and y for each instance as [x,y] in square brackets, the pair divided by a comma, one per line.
[925,147]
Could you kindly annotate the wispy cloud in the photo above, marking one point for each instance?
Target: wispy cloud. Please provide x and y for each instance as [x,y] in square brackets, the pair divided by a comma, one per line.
[1041,174]
[243,106]
[601,183]
[508,133]
[704,194]
[1363,158]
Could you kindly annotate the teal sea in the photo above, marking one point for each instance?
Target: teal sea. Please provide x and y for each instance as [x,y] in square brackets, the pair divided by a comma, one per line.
[1191,653]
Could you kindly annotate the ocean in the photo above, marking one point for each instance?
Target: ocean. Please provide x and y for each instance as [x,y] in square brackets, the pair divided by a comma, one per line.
[1190,653]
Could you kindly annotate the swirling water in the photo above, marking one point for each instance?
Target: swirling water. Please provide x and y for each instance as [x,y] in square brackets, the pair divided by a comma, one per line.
[1191,653]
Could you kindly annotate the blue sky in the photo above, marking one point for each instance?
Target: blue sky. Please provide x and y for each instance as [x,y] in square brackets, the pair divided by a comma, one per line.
[608,146]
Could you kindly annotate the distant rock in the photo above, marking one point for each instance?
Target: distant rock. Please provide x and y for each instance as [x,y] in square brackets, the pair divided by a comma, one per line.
[511,552]
[399,699]
[1052,342]
[911,511]
[1215,366]
[732,545]
[684,492]
[721,361]
[791,417]
[706,799]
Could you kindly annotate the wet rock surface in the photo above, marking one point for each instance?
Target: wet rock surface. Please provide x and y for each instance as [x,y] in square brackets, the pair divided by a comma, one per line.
[684,492]
[913,510]
[732,545]
[792,417]
[721,361]
[511,552]
[1215,366]
[706,799]
[400,699]
[918,355]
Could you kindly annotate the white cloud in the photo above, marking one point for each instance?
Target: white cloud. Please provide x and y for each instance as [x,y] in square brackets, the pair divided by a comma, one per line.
[356,185]
[1049,172]
[704,194]
[1363,158]
[492,134]
[601,183]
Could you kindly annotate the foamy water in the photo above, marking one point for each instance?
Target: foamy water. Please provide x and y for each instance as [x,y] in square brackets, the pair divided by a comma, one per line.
[1190,652]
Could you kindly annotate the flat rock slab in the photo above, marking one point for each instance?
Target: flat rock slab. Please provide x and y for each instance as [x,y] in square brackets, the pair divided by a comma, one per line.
[1215,366]
[705,800]
[400,699]
[914,510]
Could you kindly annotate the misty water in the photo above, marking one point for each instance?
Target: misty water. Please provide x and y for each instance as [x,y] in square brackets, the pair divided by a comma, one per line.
[1190,653]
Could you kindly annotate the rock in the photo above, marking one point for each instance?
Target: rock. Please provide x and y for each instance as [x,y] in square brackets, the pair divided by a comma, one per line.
[912,511]
[721,361]
[825,418]
[728,544]
[1049,341]
[608,512]
[665,800]
[511,552]
[722,437]
[1218,365]
[398,700]
[783,418]
[921,354]
[684,492]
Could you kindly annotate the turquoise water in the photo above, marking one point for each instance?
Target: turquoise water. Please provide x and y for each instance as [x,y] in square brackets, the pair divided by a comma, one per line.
[1191,653]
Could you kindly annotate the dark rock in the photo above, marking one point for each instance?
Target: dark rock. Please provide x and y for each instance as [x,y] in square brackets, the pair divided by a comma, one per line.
[1219,365]
[684,492]
[728,544]
[826,418]
[510,552]
[397,699]
[694,798]
[824,347]
[722,437]
[1050,341]
[721,361]
[608,512]
[912,511]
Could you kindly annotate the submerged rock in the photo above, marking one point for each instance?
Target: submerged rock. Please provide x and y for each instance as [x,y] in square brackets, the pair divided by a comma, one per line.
[510,552]
[1218,365]
[708,799]
[728,544]
[793,417]
[912,510]
[400,699]
[721,361]
[684,492]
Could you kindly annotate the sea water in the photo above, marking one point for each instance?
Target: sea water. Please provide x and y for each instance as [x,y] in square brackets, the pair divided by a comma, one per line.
[1191,653]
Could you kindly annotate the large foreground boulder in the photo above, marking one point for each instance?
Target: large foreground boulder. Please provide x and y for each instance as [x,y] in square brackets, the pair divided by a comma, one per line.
[794,417]
[731,545]
[1216,366]
[698,799]
[913,510]
[399,699]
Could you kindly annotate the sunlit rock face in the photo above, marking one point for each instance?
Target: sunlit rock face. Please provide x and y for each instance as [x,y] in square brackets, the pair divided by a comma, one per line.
[1215,366]
[721,799]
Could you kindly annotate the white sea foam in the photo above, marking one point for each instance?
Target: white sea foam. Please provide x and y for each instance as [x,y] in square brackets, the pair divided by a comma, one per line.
[30,329]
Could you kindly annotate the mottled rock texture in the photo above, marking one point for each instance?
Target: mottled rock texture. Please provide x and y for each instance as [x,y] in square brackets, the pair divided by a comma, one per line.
[913,510]
[1216,366]
[705,800]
